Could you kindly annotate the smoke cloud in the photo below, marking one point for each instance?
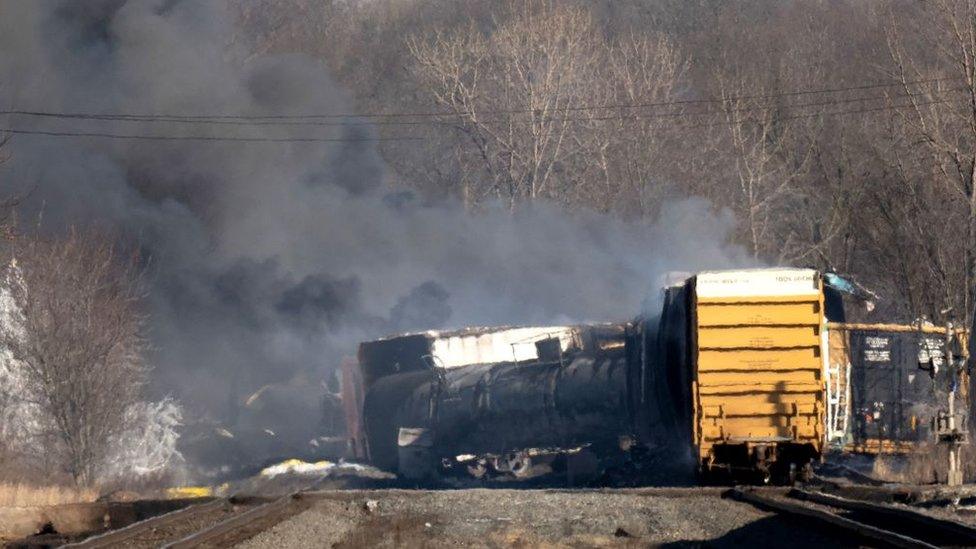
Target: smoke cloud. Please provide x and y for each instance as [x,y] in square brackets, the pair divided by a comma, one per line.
[270,261]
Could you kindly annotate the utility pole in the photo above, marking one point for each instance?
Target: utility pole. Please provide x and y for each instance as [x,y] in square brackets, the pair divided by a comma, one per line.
[948,432]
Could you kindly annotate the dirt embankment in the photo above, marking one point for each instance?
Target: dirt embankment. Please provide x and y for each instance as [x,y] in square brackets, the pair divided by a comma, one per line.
[73,521]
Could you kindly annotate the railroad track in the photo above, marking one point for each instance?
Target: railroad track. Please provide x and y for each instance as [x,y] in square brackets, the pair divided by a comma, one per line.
[226,522]
[881,524]
[114,538]
[217,523]
[245,525]
[156,530]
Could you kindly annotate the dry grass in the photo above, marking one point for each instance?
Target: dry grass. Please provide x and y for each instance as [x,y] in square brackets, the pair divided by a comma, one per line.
[927,465]
[24,495]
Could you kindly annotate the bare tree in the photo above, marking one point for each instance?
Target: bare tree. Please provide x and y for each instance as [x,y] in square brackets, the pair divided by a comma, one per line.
[767,154]
[932,47]
[514,94]
[628,145]
[510,91]
[596,105]
[78,337]
[545,103]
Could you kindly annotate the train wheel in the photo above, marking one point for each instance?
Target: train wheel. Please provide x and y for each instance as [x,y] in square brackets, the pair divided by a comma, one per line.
[791,476]
[520,465]
[478,469]
[764,475]
[806,473]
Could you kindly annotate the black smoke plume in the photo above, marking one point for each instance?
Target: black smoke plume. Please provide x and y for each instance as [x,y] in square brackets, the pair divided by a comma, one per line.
[269,261]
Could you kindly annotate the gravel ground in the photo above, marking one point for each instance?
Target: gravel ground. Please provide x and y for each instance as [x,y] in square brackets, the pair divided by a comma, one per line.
[536,518]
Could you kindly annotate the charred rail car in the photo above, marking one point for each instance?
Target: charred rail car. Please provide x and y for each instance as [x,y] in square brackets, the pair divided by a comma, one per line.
[732,380]
[502,401]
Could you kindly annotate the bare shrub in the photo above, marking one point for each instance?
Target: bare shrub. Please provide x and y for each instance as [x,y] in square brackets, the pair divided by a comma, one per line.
[78,338]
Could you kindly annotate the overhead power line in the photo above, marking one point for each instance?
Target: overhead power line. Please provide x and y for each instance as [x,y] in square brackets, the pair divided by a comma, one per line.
[447,114]
[17,131]
[609,117]
[869,110]
[233,120]
[215,121]
[826,103]
[642,116]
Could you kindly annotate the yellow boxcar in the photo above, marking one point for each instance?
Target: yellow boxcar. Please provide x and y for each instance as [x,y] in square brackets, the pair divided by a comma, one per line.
[757,371]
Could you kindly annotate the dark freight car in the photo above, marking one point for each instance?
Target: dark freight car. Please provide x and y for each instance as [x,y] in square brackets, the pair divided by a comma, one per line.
[900,385]
[506,416]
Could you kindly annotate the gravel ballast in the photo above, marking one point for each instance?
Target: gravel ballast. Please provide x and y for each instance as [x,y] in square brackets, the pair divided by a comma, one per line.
[533,518]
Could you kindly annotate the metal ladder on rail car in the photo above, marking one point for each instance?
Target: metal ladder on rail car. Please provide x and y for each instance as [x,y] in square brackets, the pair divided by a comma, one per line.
[838,397]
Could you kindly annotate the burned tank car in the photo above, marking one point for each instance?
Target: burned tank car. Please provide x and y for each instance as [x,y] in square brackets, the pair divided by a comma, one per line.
[519,418]
[519,402]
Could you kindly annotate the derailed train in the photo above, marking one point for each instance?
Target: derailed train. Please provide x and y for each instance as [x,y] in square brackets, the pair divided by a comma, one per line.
[740,376]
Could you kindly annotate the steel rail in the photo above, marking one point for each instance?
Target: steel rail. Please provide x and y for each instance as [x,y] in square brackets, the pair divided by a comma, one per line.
[215,533]
[116,538]
[780,505]
[963,533]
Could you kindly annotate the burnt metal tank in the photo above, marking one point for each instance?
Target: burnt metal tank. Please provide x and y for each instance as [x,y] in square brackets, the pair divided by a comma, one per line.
[575,392]
[494,408]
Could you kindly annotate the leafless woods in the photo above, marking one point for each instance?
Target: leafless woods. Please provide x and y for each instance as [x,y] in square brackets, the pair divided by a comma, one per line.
[841,134]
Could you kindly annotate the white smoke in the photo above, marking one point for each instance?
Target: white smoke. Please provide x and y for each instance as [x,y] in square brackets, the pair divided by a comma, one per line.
[22,420]
[148,445]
